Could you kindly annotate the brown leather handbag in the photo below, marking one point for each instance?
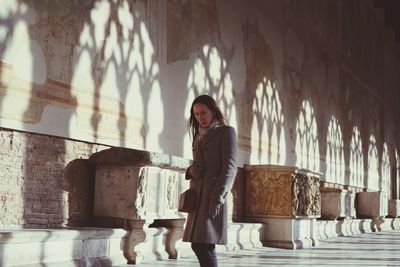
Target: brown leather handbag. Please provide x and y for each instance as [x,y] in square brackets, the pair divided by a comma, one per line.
[187,201]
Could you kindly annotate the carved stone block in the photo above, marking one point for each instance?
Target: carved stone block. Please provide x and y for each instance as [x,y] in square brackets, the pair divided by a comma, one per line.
[127,192]
[337,203]
[372,204]
[286,200]
[394,208]
[272,191]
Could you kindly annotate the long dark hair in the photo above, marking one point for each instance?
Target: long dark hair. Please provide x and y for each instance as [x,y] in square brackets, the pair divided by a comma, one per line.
[193,124]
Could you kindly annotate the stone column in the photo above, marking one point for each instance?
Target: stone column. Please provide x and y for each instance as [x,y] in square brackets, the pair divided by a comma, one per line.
[140,188]
[286,200]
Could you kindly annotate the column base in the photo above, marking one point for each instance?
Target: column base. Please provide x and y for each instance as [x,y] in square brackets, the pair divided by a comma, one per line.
[395,224]
[347,227]
[289,233]
[242,236]
[327,228]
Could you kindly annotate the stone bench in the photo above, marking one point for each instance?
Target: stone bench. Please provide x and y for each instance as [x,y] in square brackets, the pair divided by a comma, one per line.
[139,191]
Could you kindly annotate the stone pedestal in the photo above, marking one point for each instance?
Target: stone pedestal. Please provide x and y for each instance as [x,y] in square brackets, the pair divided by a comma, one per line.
[395,223]
[373,205]
[394,208]
[326,228]
[288,233]
[287,201]
[139,188]
[337,205]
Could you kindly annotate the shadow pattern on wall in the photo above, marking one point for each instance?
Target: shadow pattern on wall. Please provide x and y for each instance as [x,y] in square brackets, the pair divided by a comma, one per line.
[263,116]
[335,154]
[307,148]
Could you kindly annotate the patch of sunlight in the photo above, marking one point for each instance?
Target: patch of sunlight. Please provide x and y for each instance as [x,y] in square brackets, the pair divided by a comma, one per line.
[126,19]
[156,122]
[147,47]
[356,164]
[334,153]
[267,135]
[99,17]
[373,169]
[27,62]
[120,89]
[209,75]
[396,154]
[307,147]
[385,186]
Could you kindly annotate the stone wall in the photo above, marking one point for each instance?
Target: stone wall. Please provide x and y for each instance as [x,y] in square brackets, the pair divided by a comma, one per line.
[45,181]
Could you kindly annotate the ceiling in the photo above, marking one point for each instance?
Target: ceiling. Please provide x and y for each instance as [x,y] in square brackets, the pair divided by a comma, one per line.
[392,15]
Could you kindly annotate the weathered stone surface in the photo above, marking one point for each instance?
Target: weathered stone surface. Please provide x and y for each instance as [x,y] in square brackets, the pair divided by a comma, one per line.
[126,156]
[289,233]
[394,208]
[130,192]
[61,247]
[286,200]
[45,181]
[372,204]
[337,203]
[281,191]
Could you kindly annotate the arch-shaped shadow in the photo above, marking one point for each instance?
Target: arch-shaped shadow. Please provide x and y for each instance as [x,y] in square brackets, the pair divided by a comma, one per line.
[109,51]
[263,118]
[209,75]
[396,190]
[373,179]
[307,147]
[335,153]
[267,131]
[385,171]
[356,164]
[117,47]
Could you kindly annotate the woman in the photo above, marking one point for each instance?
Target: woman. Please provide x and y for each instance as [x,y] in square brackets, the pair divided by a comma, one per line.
[211,177]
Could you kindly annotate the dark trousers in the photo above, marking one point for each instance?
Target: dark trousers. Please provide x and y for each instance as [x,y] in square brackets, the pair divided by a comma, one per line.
[205,254]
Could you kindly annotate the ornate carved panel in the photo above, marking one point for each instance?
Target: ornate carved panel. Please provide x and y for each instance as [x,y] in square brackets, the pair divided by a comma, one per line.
[278,191]
[268,193]
[306,195]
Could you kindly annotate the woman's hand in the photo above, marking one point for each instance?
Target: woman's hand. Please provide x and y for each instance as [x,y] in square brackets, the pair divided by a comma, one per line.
[214,209]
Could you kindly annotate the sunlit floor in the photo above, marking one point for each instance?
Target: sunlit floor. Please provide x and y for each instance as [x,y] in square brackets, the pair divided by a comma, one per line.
[370,249]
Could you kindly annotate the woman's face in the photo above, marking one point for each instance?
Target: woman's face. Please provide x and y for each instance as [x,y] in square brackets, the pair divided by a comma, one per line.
[203,114]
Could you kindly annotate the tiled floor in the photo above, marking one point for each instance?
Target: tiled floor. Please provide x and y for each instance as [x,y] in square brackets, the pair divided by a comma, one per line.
[370,249]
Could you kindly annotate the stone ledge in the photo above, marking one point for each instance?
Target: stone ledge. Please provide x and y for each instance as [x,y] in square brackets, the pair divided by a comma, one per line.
[126,156]
[41,235]
[62,247]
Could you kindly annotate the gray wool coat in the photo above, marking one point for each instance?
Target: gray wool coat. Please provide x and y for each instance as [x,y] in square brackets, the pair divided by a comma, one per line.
[211,176]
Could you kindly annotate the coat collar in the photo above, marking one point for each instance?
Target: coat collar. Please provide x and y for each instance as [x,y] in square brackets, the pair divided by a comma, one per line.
[210,135]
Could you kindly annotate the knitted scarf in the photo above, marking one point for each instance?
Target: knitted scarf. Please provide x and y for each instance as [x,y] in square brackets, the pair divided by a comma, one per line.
[203,131]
